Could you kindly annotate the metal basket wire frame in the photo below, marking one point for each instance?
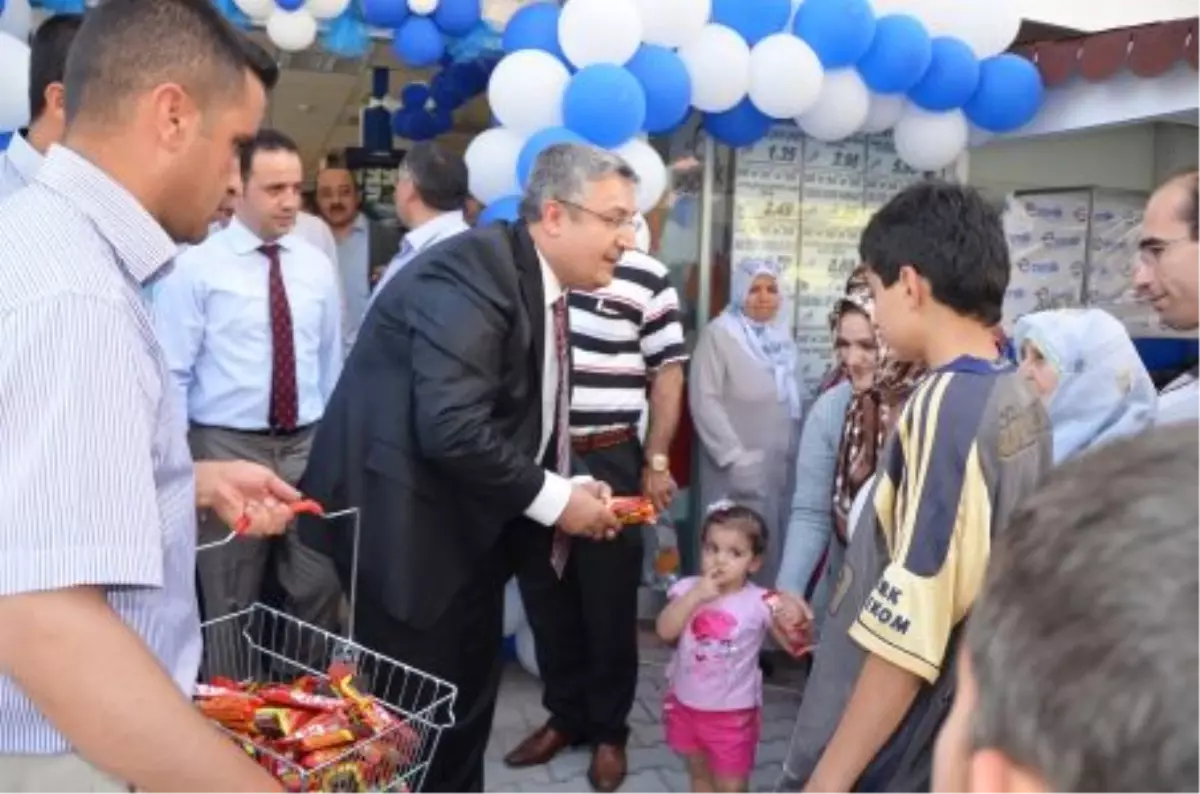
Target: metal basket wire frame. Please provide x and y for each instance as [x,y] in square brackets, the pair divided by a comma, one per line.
[263,644]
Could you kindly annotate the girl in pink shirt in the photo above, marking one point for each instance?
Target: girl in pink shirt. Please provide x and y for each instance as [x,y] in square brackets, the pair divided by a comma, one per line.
[720,619]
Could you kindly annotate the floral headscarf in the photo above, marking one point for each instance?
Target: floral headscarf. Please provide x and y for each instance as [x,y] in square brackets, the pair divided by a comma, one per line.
[871,413]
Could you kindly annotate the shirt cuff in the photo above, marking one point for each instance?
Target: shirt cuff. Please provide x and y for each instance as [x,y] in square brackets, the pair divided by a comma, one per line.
[551,500]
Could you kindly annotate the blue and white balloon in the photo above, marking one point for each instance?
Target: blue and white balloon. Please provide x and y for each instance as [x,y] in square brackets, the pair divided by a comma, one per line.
[491,160]
[673,23]
[526,91]
[539,142]
[646,162]
[930,141]
[839,31]
[599,31]
[950,80]
[534,27]
[1009,94]
[668,87]
[899,55]
[604,104]
[718,62]
[840,110]
[785,76]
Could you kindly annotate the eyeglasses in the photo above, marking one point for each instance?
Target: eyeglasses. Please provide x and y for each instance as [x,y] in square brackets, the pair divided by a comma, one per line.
[1151,249]
[623,222]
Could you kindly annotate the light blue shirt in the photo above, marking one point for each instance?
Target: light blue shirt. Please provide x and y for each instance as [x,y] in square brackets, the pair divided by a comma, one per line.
[420,239]
[213,318]
[354,265]
[98,482]
[19,164]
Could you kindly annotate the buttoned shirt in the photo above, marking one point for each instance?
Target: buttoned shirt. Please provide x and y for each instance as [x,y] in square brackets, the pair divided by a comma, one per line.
[98,481]
[354,266]
[19,164]
[420,239]
[213,319]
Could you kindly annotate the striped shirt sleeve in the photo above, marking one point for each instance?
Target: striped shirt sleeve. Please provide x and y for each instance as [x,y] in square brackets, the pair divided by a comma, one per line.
[78,504]
[661,335]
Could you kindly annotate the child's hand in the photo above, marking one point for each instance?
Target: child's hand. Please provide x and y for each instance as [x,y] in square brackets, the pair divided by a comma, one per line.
[706,588]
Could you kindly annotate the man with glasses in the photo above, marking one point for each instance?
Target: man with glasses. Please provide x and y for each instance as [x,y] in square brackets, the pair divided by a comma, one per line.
[449,430]
[626,342]
[1168,277]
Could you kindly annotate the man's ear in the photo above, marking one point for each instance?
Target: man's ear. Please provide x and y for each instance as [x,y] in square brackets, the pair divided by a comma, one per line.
[56,100]
[916,288]
[992,772]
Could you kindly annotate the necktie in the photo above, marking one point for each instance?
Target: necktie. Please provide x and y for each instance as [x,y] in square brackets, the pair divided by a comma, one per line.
[284,402]
[560,547]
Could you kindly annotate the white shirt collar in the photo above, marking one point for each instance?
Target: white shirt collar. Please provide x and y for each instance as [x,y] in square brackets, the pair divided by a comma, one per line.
[26,159]
[434,229]
[551,288]
[243,241]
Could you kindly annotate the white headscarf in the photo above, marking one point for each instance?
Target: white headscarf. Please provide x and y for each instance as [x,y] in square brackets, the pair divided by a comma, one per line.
[769,342]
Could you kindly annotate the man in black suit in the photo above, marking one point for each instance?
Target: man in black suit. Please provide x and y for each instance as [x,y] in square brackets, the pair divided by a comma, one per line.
[448,429]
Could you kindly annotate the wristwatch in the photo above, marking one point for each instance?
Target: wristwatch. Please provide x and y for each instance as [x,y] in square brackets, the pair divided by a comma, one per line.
[658,463]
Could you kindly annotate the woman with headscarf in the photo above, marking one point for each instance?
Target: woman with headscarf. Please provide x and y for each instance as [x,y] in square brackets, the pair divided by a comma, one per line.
[745,403]
[842,440]
[1083,365]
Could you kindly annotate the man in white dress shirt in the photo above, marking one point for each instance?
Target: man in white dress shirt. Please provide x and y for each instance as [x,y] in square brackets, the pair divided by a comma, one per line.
[431,194]
[20,162]
[1168,277]
[250,322]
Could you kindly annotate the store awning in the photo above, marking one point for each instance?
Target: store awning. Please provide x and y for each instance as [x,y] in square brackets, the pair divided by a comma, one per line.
[1121,76]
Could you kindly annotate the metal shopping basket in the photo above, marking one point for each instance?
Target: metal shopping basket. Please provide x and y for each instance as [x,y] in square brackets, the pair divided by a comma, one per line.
[259,646]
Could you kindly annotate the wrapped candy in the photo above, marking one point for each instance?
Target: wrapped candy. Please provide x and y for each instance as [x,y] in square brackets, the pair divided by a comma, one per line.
[633,510]
[294,697]
[279,723]
[798,637]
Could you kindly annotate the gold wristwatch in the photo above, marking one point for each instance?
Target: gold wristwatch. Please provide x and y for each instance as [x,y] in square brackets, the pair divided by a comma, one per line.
[658,463]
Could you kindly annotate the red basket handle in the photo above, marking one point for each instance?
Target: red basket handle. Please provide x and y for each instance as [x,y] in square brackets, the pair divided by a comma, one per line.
[309,506]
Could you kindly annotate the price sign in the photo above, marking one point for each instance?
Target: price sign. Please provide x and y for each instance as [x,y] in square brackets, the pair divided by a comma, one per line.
[781,146]
[846,155]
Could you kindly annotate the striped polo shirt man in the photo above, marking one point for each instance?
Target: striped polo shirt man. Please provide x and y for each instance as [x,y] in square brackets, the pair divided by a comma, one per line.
[619,336]
[99,487]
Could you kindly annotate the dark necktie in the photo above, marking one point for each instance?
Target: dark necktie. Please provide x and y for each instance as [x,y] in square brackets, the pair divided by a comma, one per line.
[560,548]
[284,401]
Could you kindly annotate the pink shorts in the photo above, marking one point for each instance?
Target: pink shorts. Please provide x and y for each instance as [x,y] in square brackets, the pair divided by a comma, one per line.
[726,739]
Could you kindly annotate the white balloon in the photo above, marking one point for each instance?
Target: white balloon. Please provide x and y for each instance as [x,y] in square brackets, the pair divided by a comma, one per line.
[527,651]
[326,9]
[599,31]
[651,171]
[785,76]
[423,7]
[17,19]
[987,28]
[718,61]
[514,609]
[526,89]
[840,110]
[930,141]
[673,23]
[884,112]
[256,9]
[491,160]
[14,88]
[292,31]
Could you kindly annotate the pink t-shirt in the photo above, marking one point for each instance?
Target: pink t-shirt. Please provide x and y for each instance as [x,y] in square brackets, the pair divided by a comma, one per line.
[715,666]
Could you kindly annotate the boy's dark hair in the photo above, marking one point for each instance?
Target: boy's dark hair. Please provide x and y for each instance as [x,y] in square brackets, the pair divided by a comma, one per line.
[126,47]
[265,140]
[744,519]
[48,58]
[1083,641]
[439,176]
[952,237]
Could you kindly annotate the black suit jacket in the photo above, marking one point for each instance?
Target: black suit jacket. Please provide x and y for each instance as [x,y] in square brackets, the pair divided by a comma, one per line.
[434,426]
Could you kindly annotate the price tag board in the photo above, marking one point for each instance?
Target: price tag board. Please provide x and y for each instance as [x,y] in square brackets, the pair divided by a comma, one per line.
[783,145]
[846,155]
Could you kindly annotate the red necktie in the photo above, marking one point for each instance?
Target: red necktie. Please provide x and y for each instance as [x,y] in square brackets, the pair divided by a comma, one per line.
[560,548]
[284,402]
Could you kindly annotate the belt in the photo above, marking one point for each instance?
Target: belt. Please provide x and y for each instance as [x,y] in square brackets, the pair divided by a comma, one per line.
[602,439]
[266,432]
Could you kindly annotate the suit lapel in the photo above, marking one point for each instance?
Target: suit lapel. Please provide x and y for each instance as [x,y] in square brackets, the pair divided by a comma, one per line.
[529,272]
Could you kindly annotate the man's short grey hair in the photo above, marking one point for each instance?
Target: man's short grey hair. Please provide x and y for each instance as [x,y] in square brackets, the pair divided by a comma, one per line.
[563,172]
[1084,640]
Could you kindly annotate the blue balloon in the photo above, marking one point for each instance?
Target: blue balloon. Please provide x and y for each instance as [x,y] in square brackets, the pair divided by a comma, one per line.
[474,77]
[418,42]
[443,121]
[5,137]
[741,125]
[534,27]
[228,9]
[667,85]
[951,79]
[538,143]
[839,31]
[290,5]
[605,104]
[899,55]
[457,17]
[414,95]
[1009,94]
[754,20]
[347,37]
[384,13]
[402,122]
[445,93]
[502,209]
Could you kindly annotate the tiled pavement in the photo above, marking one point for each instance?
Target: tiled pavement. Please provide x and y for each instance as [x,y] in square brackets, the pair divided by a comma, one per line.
[652,766]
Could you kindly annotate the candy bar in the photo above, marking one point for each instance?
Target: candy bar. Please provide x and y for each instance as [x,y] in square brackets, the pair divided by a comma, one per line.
[279,723]
[319,758]
[346,776]
[633,510]
[326,730]
[226,710]
[298,698]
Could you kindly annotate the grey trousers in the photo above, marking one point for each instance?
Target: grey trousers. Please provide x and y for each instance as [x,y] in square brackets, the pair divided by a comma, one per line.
[67,772]
[231,576]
